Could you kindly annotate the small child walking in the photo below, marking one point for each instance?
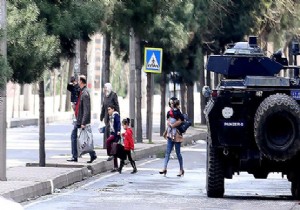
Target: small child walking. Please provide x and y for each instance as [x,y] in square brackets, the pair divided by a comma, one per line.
[128,145]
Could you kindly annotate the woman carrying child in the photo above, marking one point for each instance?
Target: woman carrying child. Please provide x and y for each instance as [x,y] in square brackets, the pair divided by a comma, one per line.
[174,138]
[128,145]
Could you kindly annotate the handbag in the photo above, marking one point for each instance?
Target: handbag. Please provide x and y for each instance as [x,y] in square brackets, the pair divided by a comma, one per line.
[85,143]
[114,148]
[120,152]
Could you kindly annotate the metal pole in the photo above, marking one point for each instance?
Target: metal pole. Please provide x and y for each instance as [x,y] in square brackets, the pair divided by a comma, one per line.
[3,96]
[149,120]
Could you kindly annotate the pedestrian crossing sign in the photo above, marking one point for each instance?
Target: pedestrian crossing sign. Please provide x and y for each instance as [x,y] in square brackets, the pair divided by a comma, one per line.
[153,60]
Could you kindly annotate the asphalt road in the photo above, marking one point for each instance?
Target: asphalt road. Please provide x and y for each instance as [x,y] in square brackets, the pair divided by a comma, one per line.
[149,190]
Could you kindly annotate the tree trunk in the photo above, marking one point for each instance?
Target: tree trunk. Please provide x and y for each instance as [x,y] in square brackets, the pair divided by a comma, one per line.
[3,133]
[14,101]
[291,61]
[202,83]
[163,103]
[149,117]
[42,152]
[138,92]
[208,76]
[54,91]
[106,75]
[3,51]
[190,102]
[62,73]
[27,94]
[34,100]
[83,57]
[70,73]
[131,84]
[183,102]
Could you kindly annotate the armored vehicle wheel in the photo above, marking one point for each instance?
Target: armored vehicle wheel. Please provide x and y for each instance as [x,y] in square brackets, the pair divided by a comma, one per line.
[214,173]
[277,127]
[295,189]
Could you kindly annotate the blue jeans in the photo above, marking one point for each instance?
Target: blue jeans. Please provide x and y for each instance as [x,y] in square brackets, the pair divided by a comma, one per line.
[170,146]
[74,144]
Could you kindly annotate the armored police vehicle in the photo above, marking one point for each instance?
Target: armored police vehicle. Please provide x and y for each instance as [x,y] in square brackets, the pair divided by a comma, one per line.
[253,118]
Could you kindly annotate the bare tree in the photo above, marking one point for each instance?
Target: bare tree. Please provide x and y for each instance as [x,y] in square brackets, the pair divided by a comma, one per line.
[163,103]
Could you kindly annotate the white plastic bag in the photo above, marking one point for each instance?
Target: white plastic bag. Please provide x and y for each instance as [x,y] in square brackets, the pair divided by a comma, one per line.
[85,140]
[101,127]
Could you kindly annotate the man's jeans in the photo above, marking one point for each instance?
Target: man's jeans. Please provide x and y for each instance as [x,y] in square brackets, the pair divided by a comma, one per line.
[170,146]
[74,144]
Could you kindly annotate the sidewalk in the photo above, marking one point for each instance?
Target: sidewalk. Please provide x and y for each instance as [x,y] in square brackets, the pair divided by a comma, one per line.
[29,182]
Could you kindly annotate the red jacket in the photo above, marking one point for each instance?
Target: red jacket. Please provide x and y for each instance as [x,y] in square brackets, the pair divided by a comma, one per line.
[128,139]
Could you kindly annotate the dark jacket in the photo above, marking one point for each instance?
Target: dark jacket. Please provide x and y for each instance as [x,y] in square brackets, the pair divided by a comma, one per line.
[84,112]
[175,113]
[115,126]
[74,89]
[112,98]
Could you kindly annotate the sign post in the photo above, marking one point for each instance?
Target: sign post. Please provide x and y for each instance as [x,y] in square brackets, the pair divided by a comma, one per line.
[153,64]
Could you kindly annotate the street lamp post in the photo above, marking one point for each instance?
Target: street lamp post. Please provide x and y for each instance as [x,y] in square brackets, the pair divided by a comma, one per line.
[3,95]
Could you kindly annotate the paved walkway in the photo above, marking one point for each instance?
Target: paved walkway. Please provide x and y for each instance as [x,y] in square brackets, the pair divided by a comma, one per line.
[32,181]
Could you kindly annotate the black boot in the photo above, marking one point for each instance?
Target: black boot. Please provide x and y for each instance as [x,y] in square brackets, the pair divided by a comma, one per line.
[134,167]
[121,166]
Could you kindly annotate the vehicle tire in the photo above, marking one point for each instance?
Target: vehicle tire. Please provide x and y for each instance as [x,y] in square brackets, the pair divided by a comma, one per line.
[277,127]
[214,173]
[295,189]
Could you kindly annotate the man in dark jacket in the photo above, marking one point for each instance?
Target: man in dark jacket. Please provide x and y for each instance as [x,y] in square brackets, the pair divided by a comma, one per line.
[110,98]
[83,115]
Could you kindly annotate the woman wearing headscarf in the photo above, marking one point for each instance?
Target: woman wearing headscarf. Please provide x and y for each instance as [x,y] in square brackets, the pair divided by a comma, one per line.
[110,98]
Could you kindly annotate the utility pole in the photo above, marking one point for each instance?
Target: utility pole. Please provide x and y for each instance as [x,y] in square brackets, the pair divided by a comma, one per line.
[3,95]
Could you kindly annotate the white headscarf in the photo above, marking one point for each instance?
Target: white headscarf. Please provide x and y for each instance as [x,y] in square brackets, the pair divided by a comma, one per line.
[108,88]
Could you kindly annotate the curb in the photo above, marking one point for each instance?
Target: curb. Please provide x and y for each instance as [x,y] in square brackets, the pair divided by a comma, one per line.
[31,191]
[23,189]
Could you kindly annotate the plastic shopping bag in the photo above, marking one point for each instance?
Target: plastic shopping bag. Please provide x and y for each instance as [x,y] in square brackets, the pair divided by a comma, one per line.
[101,127]
[85,141]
